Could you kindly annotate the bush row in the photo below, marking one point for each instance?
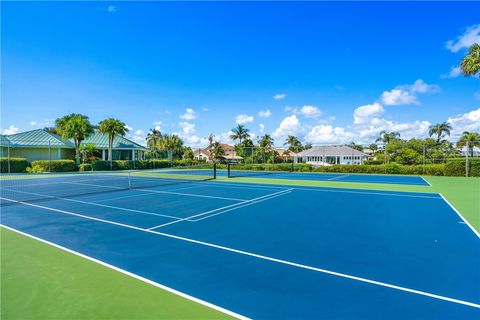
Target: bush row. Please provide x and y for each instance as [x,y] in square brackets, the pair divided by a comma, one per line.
[17,165]
[453,167]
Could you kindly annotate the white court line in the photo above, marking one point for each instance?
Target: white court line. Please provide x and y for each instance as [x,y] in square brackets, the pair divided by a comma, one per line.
[222,208]
[239,206]
[323,189]
[425,180]
[460,215]
[338,177]
[163,192]
[98,204]
[293,264]
[340,190]
[133,275]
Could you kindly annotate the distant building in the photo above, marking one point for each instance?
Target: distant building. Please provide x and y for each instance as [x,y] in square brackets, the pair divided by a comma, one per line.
[42,145]
[476,151]
[205,154]
[330,155]
[369,153]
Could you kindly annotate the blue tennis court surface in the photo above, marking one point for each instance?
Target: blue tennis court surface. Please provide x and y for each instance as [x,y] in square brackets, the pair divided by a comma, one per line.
[271,252]
[314,176]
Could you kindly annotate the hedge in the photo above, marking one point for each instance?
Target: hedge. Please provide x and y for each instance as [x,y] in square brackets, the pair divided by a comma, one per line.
[85,167]
[456,167]
[54,165]
[17,165]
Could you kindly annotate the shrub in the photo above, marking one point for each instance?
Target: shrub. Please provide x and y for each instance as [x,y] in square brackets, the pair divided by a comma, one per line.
[17,165]
[36,169]
[55,165]
[100,165]
[123,164]
[85,167]
[456,167]
[371,162]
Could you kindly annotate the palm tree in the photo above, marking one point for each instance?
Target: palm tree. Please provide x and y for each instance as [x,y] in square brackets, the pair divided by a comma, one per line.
[266,144]
[74,126]
[439,130]
[112,127]
[152,138]
[240,133]
[217,151]
[470,139]
[294,144]
[171,143]
[373,147]
[470,65]
[211,138]
[387,137]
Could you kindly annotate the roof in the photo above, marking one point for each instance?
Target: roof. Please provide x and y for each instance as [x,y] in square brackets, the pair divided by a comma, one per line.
[35,139]
[206,151]
[284,152]
[43,139]
[332,151]
[100,140]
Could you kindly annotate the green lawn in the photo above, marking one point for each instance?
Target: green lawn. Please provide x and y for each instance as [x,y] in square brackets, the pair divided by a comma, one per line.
[39,281]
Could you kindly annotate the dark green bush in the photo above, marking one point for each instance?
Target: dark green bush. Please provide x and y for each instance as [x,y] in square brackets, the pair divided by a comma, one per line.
[17,165]
[123,164]
[100,165]
[85,167]
[372,162]
[456,167]
[55,165]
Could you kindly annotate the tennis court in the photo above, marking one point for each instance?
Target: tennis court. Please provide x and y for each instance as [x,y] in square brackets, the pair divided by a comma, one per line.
[263,251]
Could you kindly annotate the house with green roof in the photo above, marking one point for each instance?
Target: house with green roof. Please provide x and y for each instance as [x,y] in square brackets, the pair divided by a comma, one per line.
[43,145]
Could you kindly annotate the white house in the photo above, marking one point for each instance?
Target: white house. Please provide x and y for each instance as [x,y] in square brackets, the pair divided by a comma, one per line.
[205,154]
[329,155]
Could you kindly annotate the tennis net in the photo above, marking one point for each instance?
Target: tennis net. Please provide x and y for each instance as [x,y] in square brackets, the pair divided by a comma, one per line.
[252,170]
[38,187]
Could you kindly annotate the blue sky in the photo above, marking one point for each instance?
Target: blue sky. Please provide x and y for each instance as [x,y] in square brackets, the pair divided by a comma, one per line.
[326,72]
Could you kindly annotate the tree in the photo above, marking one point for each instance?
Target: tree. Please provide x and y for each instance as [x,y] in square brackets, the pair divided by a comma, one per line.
[439,130]
[112,127]
[294,145]
[470,65]
[187,153]
[239,133]
[266,145]
[152,138]
[373,147]
[217,151]
[74,126]
[387,137]
[171,143]
[87,150]
[211,139]
[470,139]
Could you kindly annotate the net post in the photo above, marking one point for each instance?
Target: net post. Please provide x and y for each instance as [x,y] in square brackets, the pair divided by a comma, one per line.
[214,170]
[466,159]
[228,170]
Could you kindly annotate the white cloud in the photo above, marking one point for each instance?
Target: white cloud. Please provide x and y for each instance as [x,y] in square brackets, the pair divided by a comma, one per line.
[262,127]
[264,113]
[189,136]
[137,136]
[188,115]
[469,121]
[397,97]
[158,125]
[243,118]
[454,72]
[310,111]
[363,113]
[407,93]
[10,130]
[328,134]
[469,37]
[279,96]
[289,126]
[41,123]
[128,127]
[111,8]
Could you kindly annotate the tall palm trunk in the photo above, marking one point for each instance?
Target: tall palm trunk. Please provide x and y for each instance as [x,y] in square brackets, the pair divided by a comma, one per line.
[110,151]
